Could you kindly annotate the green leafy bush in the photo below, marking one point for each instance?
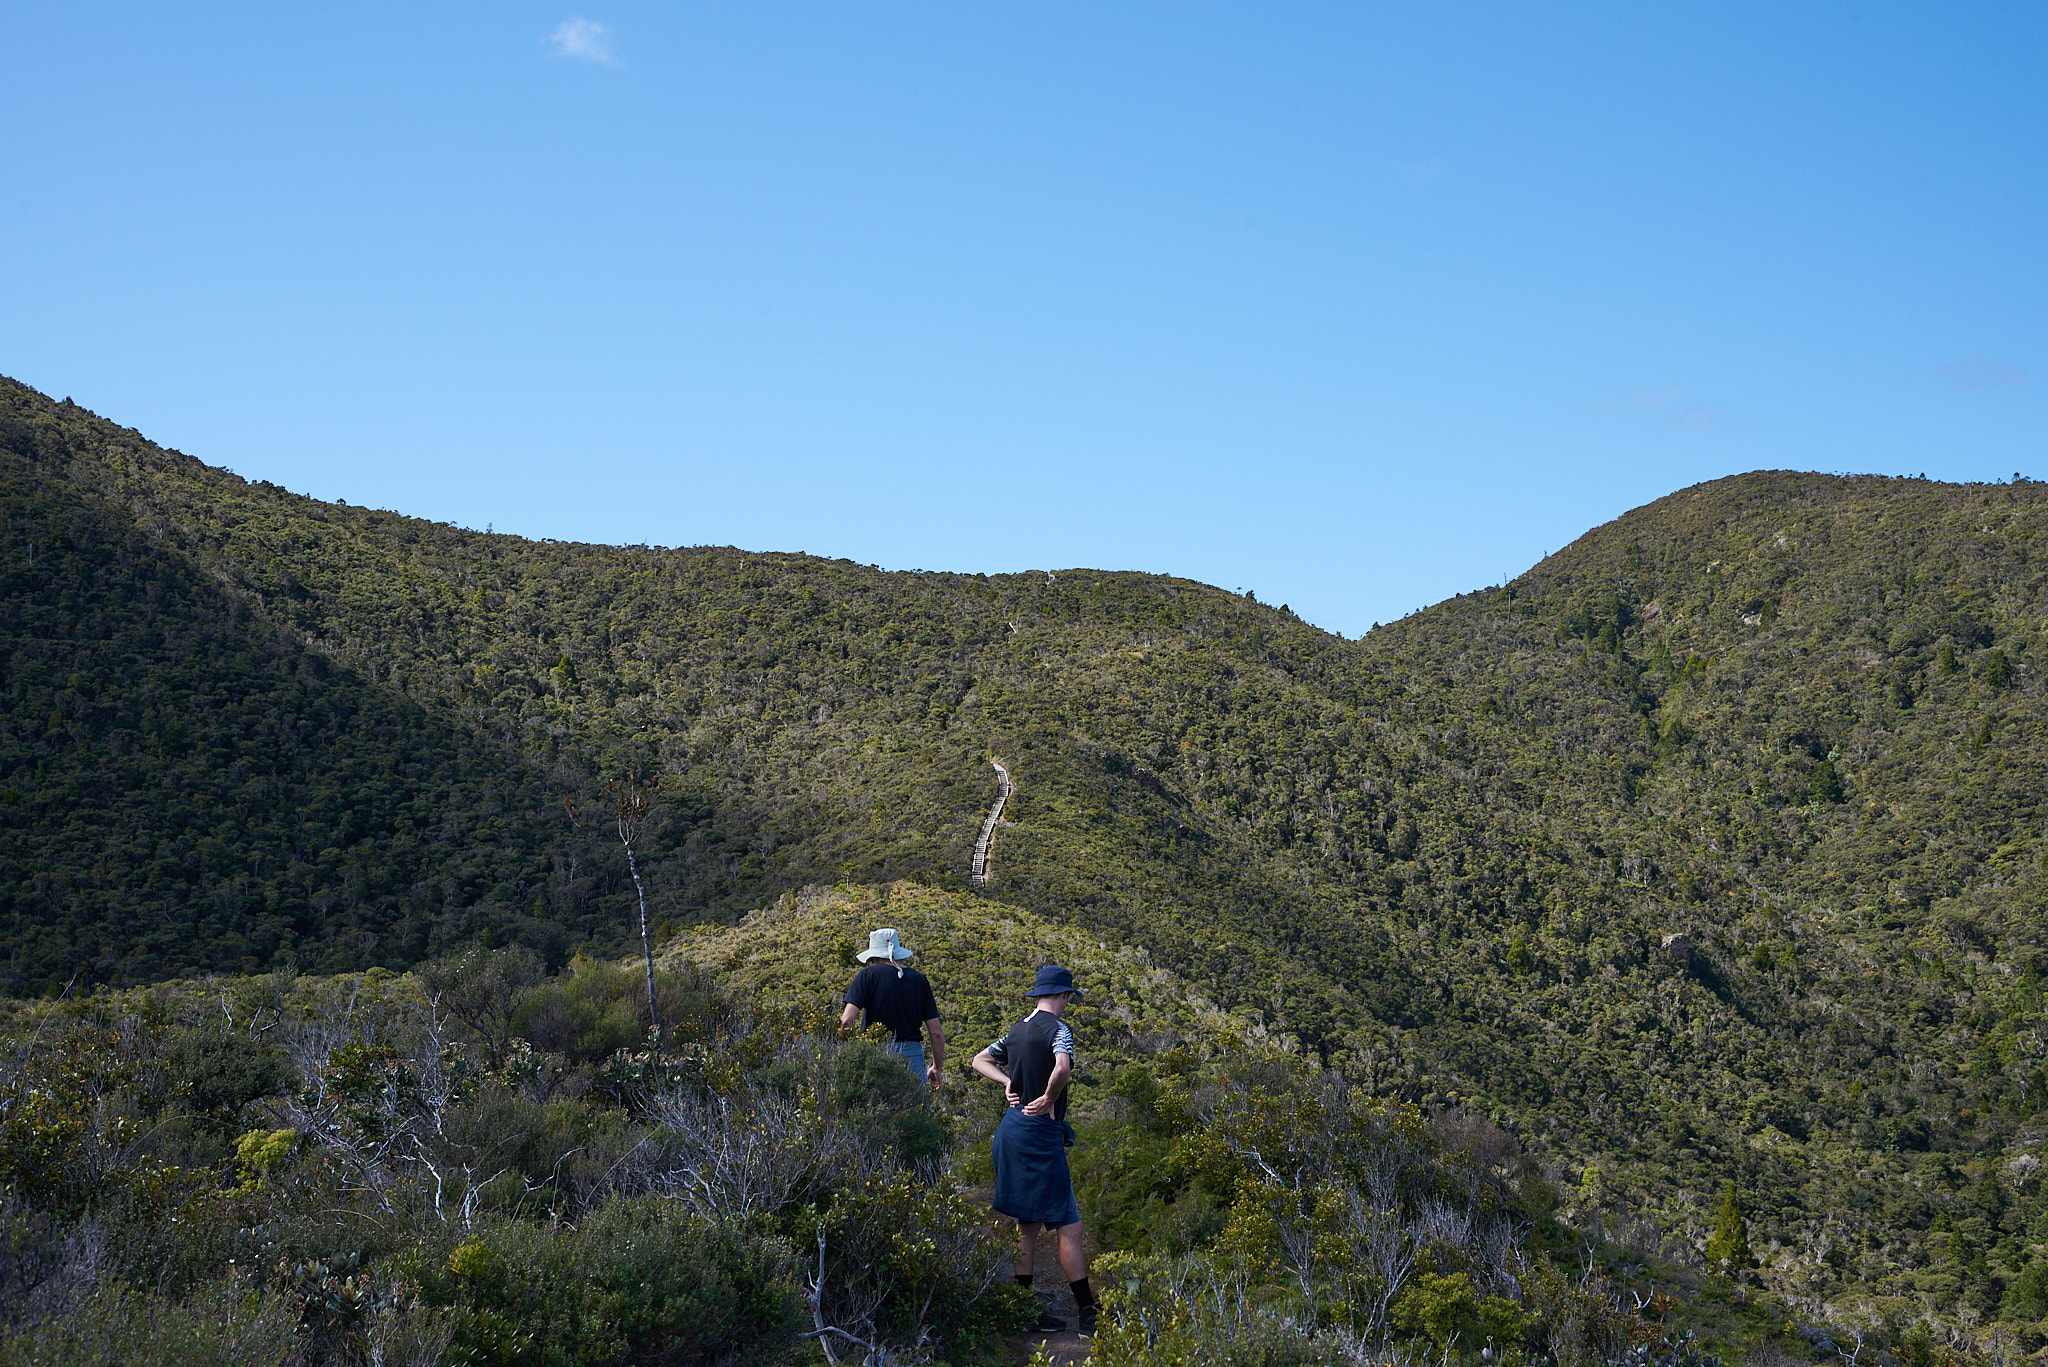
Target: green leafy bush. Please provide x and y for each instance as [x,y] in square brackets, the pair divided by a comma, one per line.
[1255,1340]
[1447,1312]
[220,1326]
[597,1008]
[638,1278]
[216,1072]
[886,1105]
[2027,1297]
[906,1262]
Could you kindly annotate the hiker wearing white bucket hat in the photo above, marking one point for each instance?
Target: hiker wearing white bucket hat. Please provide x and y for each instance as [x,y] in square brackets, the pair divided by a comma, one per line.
[898,997]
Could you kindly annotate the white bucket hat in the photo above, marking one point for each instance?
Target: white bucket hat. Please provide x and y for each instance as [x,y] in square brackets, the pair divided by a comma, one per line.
[883,944]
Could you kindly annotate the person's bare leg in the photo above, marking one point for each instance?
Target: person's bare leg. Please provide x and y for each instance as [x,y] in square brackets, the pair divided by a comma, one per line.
[1072,1261]
[1027,1246]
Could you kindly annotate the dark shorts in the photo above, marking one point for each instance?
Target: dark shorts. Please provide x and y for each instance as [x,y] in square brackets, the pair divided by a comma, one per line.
[1033,1184]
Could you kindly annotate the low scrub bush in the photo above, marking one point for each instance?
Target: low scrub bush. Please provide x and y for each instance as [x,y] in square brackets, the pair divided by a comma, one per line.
[428,1187]
[598,1008]
[225,1325]
[916,1266]
[639,1280]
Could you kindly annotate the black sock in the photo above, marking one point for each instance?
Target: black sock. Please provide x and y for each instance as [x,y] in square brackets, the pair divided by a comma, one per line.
[1023,1279]
[1084,1296]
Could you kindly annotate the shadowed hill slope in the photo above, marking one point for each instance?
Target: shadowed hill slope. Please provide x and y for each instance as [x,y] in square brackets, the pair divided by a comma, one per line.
[1795,718]
[185,783]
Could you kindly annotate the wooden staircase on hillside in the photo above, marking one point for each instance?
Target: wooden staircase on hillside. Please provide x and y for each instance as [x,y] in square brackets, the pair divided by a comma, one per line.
[977,873]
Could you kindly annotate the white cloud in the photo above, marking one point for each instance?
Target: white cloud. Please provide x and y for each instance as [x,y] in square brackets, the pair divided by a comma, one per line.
[1707,419]
[1675,410]
[586,40]
[1661,397]
[1981,372]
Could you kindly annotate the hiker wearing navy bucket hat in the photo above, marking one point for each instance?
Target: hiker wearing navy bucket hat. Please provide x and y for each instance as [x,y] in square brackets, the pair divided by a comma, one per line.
[1035,1062]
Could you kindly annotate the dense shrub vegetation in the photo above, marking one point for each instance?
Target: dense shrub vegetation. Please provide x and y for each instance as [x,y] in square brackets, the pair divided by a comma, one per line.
[1795,721]
[340,1170]
[332,1170]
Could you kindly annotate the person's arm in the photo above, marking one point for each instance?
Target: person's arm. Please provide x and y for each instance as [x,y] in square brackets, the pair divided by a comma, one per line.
[860,995]
[1062,1069]
[935,1070]
[985,1064]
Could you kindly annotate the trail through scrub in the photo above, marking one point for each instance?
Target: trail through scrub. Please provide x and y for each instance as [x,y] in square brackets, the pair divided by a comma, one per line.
[1066,1346]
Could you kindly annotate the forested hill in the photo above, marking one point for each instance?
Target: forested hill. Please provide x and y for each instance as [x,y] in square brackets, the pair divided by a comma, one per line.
[245,724]
[1799,721]
[1794,718]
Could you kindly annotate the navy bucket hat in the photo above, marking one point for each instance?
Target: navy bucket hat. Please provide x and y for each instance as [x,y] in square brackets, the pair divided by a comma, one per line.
[1053,980]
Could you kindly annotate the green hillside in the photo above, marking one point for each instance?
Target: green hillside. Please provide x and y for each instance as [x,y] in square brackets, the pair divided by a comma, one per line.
[1794,718]
[822,721]
[1799,720]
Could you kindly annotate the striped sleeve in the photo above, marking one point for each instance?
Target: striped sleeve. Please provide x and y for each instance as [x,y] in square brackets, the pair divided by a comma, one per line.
[1063,1040]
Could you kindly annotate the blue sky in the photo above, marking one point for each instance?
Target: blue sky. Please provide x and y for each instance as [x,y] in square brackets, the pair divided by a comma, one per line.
[1356,306]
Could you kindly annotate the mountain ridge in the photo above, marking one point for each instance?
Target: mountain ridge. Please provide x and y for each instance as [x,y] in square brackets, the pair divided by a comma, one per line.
[1797,718]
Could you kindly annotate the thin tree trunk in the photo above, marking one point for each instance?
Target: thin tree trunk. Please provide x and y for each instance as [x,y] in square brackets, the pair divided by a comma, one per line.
[646,944]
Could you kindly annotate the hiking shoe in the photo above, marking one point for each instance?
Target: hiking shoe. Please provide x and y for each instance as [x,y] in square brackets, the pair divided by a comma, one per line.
[1048,1323]
[1087,1324]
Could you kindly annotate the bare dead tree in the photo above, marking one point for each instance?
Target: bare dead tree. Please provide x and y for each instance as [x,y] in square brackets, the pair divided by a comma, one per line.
[1384,1251]
[483,989]
[756,1153]
[630,799]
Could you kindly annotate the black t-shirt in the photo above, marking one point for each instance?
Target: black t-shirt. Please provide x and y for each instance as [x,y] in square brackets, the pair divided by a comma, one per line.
[1027,1055]
[895,996]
